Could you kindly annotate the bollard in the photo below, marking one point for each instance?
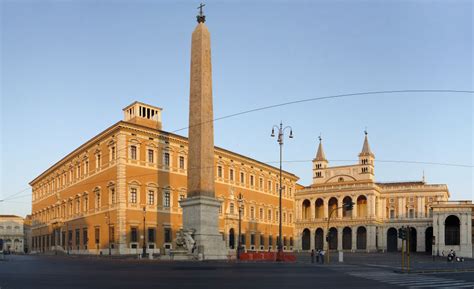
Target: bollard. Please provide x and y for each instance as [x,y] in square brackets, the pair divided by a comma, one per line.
[150,256]
[341,256]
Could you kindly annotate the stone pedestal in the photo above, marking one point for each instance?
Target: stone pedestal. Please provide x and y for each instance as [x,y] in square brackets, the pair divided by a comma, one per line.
[201,213]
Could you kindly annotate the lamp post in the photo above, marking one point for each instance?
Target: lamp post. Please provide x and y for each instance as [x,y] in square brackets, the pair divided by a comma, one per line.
[144,232]
[348,206]
[281,134]
[107,221]
[240,200]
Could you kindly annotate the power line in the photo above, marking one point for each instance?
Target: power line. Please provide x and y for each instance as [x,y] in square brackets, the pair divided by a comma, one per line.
[330,97]
[385,161]
[318,99]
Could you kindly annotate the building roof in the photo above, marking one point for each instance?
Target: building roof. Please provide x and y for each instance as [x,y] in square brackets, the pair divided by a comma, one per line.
[320,156]
[10,216]
[366,147]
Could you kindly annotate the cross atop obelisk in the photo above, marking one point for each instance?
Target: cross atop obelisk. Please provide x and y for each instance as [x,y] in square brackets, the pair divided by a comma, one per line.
[201,18]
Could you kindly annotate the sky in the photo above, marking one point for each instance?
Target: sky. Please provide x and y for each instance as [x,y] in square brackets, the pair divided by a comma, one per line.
[67,69]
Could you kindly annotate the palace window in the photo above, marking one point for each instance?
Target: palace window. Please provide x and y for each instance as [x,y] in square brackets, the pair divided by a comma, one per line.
[84,237]
[260,183]
[112,196]
[392,214]
[168,237]
[133,195]
[151,156]
[252,239]
[97,235]
[219,171]
[97,199]
[166,201]
[97,162]
[112,153]
[270,240]
[262,240]
[134,234]
[86,203]
[151,235]
[251,180]
[86,166]
[181,197]
[242,178]
[112,234]
[151,197]
[133,152]
[269,214]
[231,208]
[290,216]
[260,213]
[284,218]
[269,186]
[167,159]
[78,205]
[181,162]
[252,213]
[78,237]
[411,213]
[231,174]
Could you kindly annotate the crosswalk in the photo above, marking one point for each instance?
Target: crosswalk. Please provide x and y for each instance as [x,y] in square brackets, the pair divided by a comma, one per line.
[412,281]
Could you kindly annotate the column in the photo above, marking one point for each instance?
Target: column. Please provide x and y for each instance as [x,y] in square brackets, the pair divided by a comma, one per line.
[371,206]
[400,208]
[339,211]
[354,238]
[312,207]
[436,234]
[339,239]
[422,205]
[371,236]
[420,239]
[354,208]
[311,240]
[325,205]
[440,237]
[382,242]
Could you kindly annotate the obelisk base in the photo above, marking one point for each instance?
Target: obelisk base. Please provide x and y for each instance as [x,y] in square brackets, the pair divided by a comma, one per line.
[201,214]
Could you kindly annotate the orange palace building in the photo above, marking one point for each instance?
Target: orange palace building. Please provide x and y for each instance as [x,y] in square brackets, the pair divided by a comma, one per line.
[120,191]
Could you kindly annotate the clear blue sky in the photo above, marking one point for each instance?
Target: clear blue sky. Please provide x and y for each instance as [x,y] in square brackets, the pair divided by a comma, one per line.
[69,67]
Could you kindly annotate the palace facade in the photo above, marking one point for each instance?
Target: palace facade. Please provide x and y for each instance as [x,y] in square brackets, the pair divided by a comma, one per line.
[120,191]
[379,210]
[12,235]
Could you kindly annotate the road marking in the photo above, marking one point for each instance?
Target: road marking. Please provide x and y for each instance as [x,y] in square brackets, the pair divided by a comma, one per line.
[407,281]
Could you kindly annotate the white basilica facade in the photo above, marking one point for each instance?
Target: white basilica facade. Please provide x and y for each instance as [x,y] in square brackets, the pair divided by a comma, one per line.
[379,210]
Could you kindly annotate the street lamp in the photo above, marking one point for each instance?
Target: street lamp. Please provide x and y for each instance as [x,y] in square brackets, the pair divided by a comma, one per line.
[240,200]
[144,232]
[107,220]
[348,206]
[281,134]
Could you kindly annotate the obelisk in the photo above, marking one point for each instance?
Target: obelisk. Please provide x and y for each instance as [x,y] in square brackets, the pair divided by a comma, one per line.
[201,208]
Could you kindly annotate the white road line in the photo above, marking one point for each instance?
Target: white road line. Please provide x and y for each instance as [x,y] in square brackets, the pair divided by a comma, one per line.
[450,285]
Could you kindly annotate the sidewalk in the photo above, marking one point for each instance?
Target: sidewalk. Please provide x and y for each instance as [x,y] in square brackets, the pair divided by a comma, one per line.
[419,262]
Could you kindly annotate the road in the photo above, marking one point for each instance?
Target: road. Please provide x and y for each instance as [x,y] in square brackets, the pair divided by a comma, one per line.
[93,272]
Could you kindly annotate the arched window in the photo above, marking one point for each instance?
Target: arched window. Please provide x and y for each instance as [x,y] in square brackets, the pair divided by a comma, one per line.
[452,230]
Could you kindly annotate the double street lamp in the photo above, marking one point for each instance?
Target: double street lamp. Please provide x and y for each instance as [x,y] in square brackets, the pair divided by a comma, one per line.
[240,200]
[107,221]
[144,232]
[281,134]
